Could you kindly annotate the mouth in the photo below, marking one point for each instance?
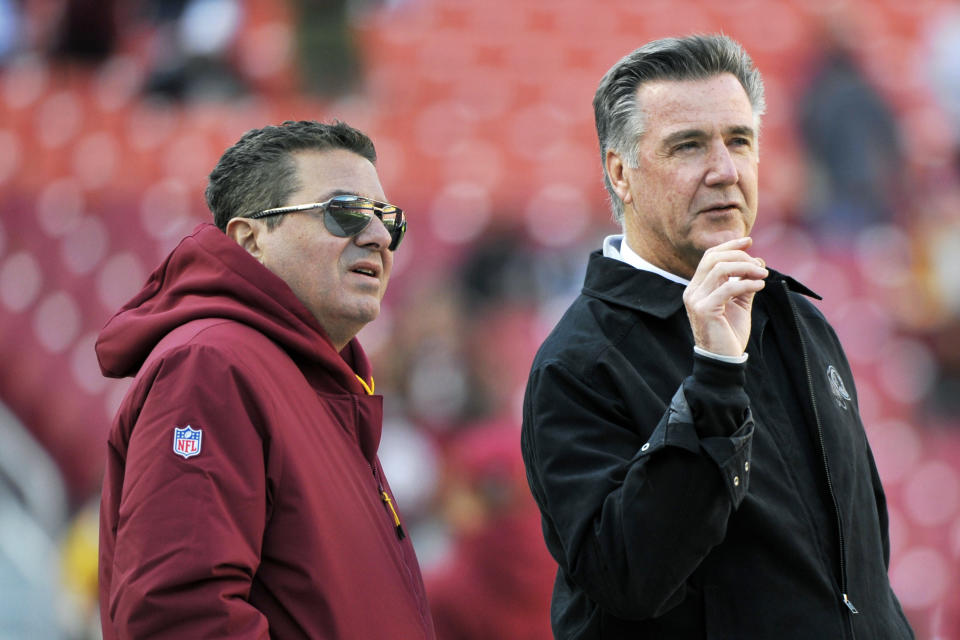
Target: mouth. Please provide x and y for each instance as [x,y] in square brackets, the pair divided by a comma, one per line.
[723,207]
[369,270]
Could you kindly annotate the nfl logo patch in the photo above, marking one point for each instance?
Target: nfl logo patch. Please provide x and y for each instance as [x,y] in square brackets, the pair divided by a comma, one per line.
[186,441]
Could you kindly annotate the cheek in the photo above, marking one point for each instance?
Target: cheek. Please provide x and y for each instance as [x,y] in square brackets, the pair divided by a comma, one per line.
[387,265]
[673,203]
[673,186]
[309,273]
[749,176]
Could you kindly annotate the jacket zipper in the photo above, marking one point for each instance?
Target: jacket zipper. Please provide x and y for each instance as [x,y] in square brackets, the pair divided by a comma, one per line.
[384,496]
[388,501]
[823,456]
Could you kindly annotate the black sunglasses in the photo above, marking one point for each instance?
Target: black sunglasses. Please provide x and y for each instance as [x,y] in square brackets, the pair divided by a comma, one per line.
[345,216]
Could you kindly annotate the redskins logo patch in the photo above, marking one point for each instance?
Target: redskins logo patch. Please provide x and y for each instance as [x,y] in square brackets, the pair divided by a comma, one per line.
[840,393]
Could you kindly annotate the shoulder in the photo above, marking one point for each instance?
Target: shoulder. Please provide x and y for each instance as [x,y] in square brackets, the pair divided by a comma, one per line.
[583,333]
[215,337]
[801,297]
[227,351]
[215,332]
[198,374]
[596,330]
[806,307]
[811,318]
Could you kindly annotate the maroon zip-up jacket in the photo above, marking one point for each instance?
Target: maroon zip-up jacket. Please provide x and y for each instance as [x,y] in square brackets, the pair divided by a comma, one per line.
[243,496]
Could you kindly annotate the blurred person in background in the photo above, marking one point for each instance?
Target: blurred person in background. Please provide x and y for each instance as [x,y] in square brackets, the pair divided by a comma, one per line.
[11,28]
[327,55]
[192,49]
[78,561]
[86,30]
[852,139]
[935,222]
[941,66]
[243,495]
[690,427]
[33,512]
[497,580]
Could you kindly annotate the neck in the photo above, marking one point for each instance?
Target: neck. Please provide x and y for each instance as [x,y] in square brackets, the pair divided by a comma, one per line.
[675,266]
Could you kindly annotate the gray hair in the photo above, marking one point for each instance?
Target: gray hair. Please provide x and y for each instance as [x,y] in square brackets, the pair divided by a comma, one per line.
[620,123]
[258,172]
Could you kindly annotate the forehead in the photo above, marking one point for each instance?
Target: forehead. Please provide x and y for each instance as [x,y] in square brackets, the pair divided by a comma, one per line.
[717,101]
[321,173]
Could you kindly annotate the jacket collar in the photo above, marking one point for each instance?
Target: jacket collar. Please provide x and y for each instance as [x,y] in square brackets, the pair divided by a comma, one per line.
[619,283]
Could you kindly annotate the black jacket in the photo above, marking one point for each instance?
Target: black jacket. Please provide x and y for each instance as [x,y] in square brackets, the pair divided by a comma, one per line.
[685,497]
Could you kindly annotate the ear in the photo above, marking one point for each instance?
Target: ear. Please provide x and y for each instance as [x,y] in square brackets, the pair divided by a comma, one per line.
[246,233]
[618,175]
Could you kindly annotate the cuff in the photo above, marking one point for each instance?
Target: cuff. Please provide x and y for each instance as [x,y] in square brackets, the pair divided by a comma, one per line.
[740,359]
[716,395]
[732,457]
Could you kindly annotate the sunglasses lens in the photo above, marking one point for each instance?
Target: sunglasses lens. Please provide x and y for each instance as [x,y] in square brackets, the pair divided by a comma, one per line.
[347,216]
[347,221]
[396,234]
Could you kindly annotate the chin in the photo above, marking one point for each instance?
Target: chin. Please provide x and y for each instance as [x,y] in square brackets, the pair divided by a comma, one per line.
[368,312]
[714,238]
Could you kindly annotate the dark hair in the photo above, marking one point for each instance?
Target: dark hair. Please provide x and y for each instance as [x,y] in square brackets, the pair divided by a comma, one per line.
[258,172]
[620,123]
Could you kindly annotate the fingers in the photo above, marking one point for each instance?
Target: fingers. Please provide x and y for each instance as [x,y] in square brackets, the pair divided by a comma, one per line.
[719,297]
[729,252]
[738,290]
[725,282]
[725,261]
[742,266]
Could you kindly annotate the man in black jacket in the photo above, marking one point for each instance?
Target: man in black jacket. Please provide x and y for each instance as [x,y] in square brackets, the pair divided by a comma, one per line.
[690,427]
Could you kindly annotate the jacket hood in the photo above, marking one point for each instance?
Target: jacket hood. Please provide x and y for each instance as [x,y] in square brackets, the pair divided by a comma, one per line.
[208,275]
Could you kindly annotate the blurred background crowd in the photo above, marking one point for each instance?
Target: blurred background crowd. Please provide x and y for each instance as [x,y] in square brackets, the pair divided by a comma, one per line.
[112,113]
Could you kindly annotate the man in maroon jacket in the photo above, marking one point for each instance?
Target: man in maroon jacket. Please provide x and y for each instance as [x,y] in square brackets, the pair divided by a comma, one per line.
[243,496]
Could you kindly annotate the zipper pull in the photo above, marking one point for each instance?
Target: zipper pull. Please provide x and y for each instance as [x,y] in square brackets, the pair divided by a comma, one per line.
[396,519]
[849,604]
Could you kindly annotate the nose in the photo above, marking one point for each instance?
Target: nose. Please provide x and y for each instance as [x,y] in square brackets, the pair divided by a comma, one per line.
[374,235]
[721,169]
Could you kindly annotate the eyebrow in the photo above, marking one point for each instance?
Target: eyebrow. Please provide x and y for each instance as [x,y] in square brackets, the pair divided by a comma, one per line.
[742,130]
[689,134]
[333,193]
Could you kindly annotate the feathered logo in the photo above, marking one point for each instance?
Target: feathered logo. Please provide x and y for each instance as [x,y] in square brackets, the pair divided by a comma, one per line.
[840,393]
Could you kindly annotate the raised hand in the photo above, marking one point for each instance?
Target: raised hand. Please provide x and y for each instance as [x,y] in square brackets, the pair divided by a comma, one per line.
[719,298]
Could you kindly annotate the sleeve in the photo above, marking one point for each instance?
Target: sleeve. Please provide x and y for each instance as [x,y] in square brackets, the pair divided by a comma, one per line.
[628,517]
[190,529]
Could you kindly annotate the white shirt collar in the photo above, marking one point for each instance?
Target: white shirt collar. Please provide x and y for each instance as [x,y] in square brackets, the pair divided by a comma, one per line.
[616,247]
